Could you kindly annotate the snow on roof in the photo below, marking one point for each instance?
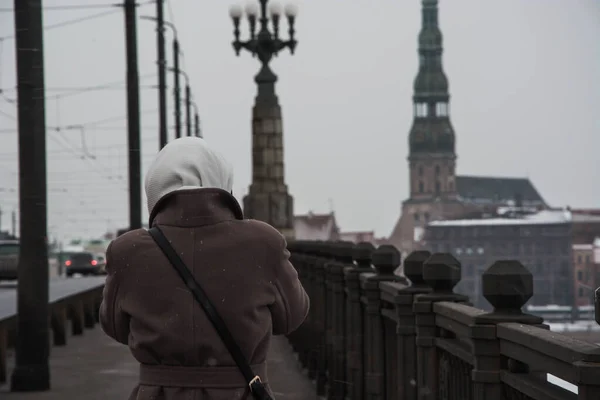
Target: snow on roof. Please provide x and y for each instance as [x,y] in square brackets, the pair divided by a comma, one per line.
[545,217]
[583,247]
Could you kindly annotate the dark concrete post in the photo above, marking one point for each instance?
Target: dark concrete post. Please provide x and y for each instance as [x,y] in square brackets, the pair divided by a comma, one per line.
[507,286]
[385,259]
[295,338]
[3,352]
[77,318]
[59,326]
[363,253]
[32,371]
[402,296]
[320,302]
[441,272]
[343,253]
[310,352]
[597,305]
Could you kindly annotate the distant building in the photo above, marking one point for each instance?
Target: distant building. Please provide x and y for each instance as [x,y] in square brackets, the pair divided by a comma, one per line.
[586,272]
[586,225]
[436,191]
[316,227]
[357,236]
[542,241]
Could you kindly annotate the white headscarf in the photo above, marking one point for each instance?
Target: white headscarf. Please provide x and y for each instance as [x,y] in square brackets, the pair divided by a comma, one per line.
[186,163]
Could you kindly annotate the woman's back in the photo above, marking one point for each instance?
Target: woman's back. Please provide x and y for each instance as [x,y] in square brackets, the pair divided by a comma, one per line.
[243,267]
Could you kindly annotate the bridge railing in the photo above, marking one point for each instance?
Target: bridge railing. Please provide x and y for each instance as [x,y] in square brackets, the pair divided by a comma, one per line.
[70,300]
[372,334]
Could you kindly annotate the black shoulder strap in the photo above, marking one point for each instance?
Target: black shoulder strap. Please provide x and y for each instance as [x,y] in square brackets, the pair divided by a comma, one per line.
[253,380]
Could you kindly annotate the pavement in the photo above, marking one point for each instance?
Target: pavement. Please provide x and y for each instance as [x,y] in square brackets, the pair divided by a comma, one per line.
[94,367]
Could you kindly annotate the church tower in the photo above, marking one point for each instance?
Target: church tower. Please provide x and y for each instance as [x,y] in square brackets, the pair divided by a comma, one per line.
[432,157]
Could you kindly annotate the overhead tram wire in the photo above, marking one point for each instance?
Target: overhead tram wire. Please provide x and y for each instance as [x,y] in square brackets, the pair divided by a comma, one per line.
[68,7]
[117,9]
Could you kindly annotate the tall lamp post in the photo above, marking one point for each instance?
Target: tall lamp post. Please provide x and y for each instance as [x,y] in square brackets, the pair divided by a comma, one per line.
[188,101]
[268,199]
[197,131]
[176,70]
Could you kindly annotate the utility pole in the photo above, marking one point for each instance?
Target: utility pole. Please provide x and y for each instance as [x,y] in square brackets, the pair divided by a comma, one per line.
[133,116]
[31,372]
[176,88]
[188,109]
[197,125]
[162,72]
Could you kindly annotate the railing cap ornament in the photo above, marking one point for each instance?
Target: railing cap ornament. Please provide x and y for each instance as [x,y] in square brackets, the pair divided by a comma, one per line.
[413,266]
[507,285]
[363,253]
[344,251]
[442,272]
[386,259]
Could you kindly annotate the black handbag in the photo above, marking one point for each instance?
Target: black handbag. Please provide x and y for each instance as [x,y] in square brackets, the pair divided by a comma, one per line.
[256,386]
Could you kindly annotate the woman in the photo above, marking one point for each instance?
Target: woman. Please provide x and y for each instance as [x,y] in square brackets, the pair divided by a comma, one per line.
[242,265]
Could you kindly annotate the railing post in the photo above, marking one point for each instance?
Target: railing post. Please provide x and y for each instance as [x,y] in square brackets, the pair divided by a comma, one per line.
[402,296]
[343,252]
[441,272]
[310,260]
[323,251]
[298,338]
[507,286]
[355,322]
[597,305]
[385,259]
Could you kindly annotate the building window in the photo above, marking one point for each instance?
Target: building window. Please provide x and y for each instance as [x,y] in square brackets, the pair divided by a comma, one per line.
[421,188]
[426,216]
[441,109]
[480,250]
[437,170]
[581,292]
[458,250]
[587,259]
[438,186]
[417,217]
[420,170]
[421,110]
[579,275]
[578,259]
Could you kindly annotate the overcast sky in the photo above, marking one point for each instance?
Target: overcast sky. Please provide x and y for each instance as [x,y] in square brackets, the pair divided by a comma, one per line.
[524,82]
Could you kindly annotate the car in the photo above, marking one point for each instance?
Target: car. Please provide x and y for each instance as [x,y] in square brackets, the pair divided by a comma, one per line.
[84,263]
[9,259]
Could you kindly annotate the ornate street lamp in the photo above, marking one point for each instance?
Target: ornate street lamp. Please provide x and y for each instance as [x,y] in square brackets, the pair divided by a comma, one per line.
[264,44]
[268,199]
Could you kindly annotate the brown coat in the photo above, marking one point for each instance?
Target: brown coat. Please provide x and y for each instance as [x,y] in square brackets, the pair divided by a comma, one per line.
[241,264]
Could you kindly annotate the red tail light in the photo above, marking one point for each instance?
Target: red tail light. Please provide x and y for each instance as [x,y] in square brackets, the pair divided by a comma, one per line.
[94,262]
[68,262]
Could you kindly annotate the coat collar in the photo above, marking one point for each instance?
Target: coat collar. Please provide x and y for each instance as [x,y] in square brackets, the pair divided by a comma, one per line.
[196,207]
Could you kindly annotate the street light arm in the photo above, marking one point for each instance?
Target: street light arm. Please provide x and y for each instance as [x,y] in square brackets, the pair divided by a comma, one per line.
[249,45]
[166,23]
[181,72]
